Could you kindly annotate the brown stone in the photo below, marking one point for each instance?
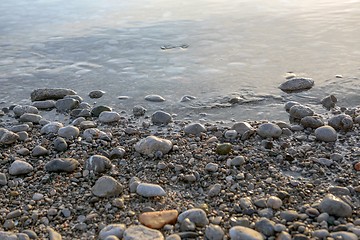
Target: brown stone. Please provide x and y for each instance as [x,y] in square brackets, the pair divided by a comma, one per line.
[357,166]
[157,220]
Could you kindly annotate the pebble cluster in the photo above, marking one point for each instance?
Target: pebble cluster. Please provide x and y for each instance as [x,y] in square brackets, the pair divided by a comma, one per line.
[100,174]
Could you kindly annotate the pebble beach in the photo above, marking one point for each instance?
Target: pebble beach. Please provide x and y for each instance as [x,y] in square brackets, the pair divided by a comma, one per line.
[75,170]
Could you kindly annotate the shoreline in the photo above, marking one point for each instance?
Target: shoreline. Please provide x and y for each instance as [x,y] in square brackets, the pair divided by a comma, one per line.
[252,179]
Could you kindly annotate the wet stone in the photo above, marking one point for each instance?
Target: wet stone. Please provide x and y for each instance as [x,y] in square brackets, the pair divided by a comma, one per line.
[139,111]
[297,84]
[300,111]
[50,93]
[96,94]
[329,102]
[154,98]
[95,112]
[161,117]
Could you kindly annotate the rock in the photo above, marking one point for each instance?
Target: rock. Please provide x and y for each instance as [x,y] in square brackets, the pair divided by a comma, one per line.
[3,179]
[341,122]
[297,84]
[289,215]
[326,134]
[117,152]
[23,136]
[324,161]
[269,130]
[289,104]
[30,233]
[98,163]
[139,111]
[187,98]
[158,219]
[344,235]
[109,117]
[50,93]
[96,94]
[244,233]
[274,202]
[53,235]
[150,190]
[284,236]
[39,151]
[223,148]
[30,117]
[87,124]
[62,165]
[7,137]
[212,167]
[242,127]
[173,237]
[320,233]
[112,229]
[215,190]
[161,117]
[236,161]
[329,102]
[141,232]
[14,214]
[21,109]
[195,215]
[194,129]
[300,111]
[335,206]
[75,97]
[20,128]
[107,186]
[265,226]
[154,98]
[52,127]
[66,104]
[19,167]
[152,144]
[312,122]
[214,232]
[95,112]
[230,134]
[47,104]
[69,132]
[60,144]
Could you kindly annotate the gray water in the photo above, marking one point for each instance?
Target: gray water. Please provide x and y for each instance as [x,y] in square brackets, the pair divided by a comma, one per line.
[210,49]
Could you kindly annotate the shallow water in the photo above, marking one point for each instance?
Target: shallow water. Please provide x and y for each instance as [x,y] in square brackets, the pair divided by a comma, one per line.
[210,49]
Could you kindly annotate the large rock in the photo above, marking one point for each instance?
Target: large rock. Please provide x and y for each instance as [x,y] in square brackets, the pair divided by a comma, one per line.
[21,109]
[50,93]
[109,117]
[107,186]
[150,190]
[194,129]
[244,233]
[297,84]
[53,235]
[7,137]
[141,232]
[196,216]
[269,130]
[98,163]
[152,144]
[47,104]
[335,206]
[62,165]
[115,229]
[158,219]
[19,167]
[161,117]
[326,134]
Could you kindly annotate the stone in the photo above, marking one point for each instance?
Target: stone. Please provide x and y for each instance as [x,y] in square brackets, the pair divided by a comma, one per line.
[19,167]
[244,233]
[52,127]
[136,232]
[39,151]
[109,117]
[341,122]
[53,235]
[230,134]
[269,130]
[215,190]
[195,215]
[274,202]
[3,179]
[300,111]
[297,84]
[50,93]
[236,161]
[69,132]
[44,105]
[21,109]
[95,112]
[98,163]
[14,214]
[76,97]
[87,124]
[265,226]
[223,148]
[211,167]
[117,153]
[344,235]
[289,215]
[284,236]
[7,137]
[242,127]
[214,232]
[139,111]
[150,190]
[194,129]
[23,136]
[154,98]
[187,98]
[96,94]
[173,237]
[324,161]
[30,233]
[66,104]
[161,117]
[158,219]
[20,128]
[107,186]
[335,206]
[289,104]
[60,144]
[38,196]
[326,134]
[266,212]
[152,144]
[320,233]
[62,165]
[30,117]
[329,102]
[115,229]
[312,122]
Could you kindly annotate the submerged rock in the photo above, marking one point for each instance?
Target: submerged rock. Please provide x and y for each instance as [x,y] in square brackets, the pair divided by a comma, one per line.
[297,84]
[154,98]
[50,93]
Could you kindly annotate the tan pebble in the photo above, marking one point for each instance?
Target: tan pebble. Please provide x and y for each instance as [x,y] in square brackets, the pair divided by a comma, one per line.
[357,166]
[159,219]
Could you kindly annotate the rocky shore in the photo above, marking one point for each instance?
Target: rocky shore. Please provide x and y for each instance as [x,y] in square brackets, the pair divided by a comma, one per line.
[72,170]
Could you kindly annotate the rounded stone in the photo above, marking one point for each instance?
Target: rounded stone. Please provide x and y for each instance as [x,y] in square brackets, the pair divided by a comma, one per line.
[269,130]
[196,216]
[274,202]
[152,144]
[46,104]
[96,94]
[158,219]
[98,163]
[329,102]
[112,229]
[335,206]
[312,122]
[139,111]
[95,112]
[214,232]
[344,235]
[150,190]
[60,144]
[136,232]
[242,127]
[300,111]
[19,167]
[265,226]
[21,109]
[244,233]
[223,148]
[62,165]
[154,98]
[341,122]
[52,127]
[109,117]
[161,117]
[39,151]
[50,93]
[297,84]
[215,190]
[66,104]
[8,137]
[107,186]
[194,129]
[326,134]
[289,215]
[30,117]
[69,132]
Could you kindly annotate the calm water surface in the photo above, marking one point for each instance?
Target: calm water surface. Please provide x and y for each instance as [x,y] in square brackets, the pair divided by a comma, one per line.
[211,49]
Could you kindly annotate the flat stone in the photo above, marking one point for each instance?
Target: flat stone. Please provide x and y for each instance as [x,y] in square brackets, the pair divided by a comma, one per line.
[30,117]
[339,191]
[87,124]
[154,98]
[66,104]
[289,215]
[96,94]
[194,129]
[20,128]
[21,109]
[158,219]
[95,112]
[50,93]
[215,190]
[52,127]
[335,206]
[109,117]
[98,163]
[187,98]
[244,233]
[46,104]
[62,165]
[69,132]
[115,229]
[19,167]
[30,233]
[150,190]
[196,216]
[326,134]
[269,130]
[161,117]
[107,186]
[152,144]
[7,137]
[39,151]
[300,111]
[297,84]
[141,232]
[236,161]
